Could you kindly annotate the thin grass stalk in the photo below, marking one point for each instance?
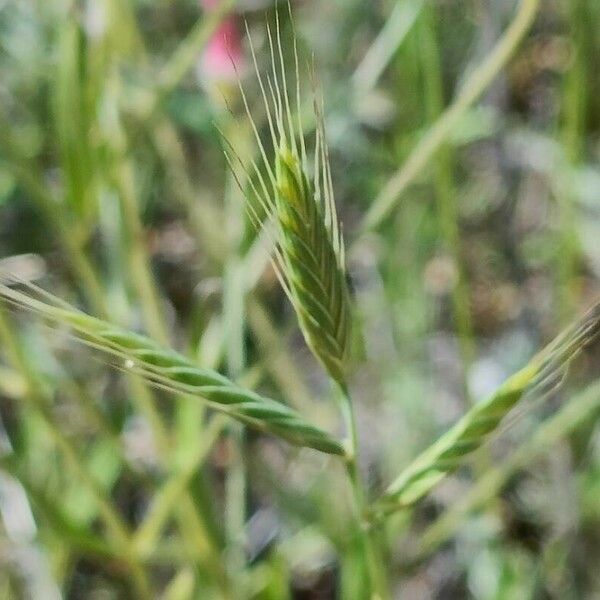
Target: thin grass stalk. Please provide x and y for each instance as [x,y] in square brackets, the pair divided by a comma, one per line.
[397,26]
[140,264]
[573,126]
[202,214]
[174,497]
[196,539]
[186,54]
[181,586]
[78,540]
[475,85]
[449,452]
[72,119]
[58,219]
[276,357]
[234,321]
[372,554]
[148,533]
[91,410]
[445,190]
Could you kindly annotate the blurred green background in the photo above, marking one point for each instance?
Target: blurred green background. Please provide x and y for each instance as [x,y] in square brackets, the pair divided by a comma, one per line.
[115,195]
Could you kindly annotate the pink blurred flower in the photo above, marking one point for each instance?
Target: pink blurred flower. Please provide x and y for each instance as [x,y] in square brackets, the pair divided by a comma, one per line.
[224,49]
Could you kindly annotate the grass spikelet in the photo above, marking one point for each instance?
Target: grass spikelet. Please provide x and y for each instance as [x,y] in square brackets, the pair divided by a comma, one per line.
[545,371]
[166,369]
[308,247]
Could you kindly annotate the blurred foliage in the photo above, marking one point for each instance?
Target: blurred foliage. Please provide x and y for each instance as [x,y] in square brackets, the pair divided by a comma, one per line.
[114,193]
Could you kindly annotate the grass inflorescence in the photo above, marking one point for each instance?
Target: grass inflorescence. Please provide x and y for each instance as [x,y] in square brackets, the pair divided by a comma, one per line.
[171,371]
[300,208]
[543,373]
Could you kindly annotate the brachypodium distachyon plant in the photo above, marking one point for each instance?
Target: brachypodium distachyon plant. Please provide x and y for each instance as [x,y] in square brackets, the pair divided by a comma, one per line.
[308,247]
[296,207]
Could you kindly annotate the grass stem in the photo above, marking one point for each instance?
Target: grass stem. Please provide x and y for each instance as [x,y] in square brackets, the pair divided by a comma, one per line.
[573,127]
[448,217]
[368,536]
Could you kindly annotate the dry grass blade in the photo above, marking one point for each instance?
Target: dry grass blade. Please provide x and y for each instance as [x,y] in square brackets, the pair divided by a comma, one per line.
[308,246]
[171,371]
[448,453]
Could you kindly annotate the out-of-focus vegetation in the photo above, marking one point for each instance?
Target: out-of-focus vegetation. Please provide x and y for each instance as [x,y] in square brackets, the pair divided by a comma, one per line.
[464,145]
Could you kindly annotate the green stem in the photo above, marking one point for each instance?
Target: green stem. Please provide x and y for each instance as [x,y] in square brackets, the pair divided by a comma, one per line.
[141,275]
[448,217]
[187,53]
[191,524]
[234,322]
[385,46]
[58,219]
[368,535]
[148,533]
[573,128]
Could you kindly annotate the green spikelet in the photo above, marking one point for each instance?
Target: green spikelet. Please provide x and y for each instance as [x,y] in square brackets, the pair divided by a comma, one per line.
[449,452]
[171,371]
[300,209]
[315,278]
